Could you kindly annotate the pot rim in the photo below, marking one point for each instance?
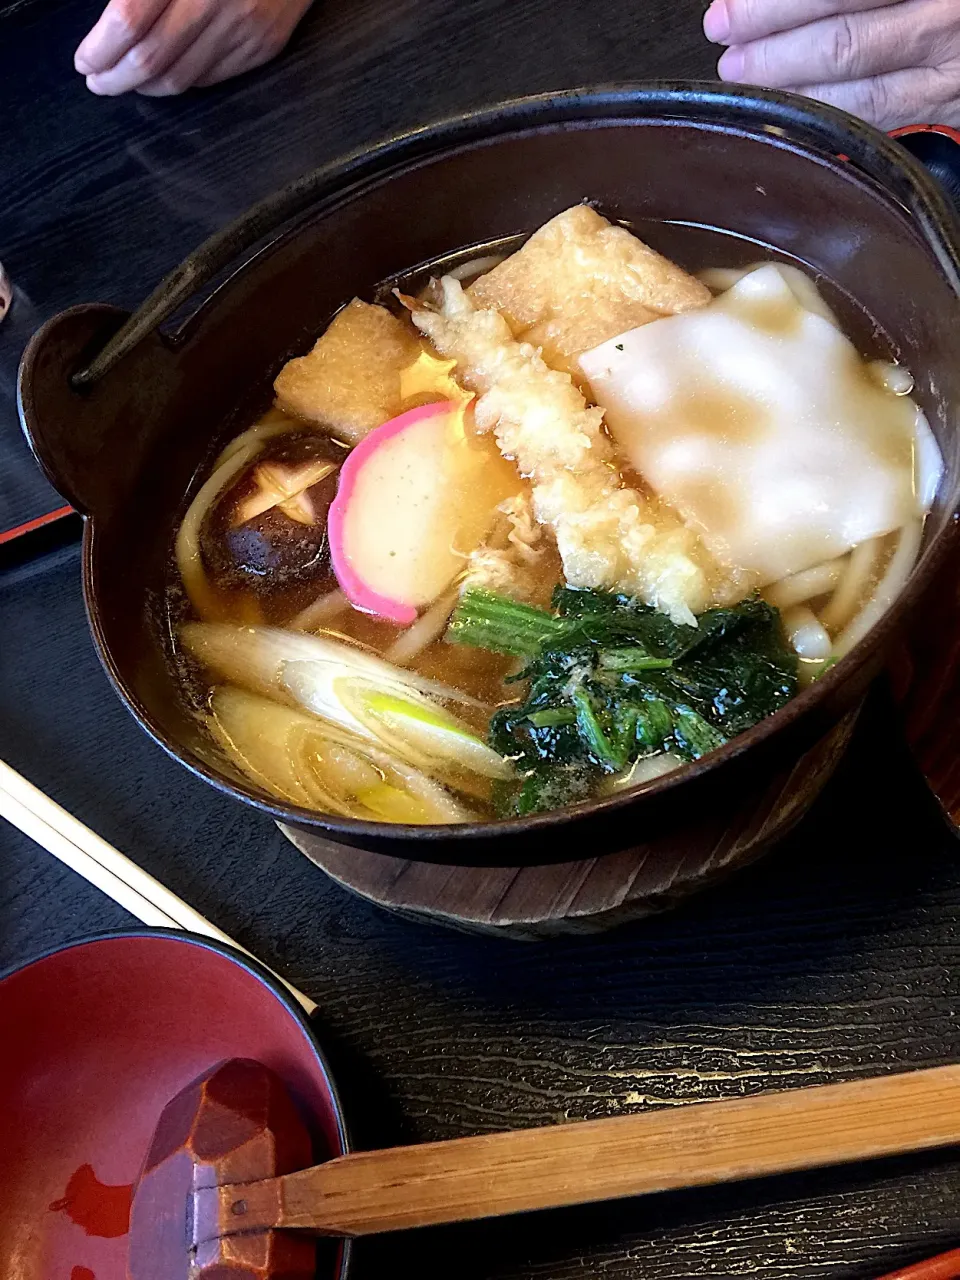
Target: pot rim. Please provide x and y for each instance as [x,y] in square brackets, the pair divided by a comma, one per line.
[771,117]
[802,122]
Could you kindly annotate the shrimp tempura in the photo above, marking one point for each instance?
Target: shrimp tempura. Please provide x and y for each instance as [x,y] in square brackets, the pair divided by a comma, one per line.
[608,534]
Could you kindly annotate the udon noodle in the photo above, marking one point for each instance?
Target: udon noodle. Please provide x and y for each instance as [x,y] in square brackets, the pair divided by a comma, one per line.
[564,521]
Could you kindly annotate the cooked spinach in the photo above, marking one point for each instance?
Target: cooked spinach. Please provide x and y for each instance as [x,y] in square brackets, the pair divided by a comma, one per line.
[612,681]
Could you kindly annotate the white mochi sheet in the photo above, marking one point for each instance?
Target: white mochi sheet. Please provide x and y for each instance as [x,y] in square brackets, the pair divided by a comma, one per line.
[759,421]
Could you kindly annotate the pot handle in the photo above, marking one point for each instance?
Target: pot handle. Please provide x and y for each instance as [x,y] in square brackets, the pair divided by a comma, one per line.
[937,147]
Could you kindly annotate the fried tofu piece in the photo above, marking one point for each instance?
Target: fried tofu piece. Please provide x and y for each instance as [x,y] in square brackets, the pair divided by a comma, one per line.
[350,382]
[580,280]
[563,339]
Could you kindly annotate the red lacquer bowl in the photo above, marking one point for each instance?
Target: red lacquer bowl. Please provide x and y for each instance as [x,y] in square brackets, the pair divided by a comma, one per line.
[96,1038]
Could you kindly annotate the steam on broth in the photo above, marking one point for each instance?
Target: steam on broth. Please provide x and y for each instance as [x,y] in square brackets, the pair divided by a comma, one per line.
[565,520]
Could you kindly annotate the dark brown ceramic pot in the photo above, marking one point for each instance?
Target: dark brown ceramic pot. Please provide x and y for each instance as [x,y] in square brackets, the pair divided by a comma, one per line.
[124,422]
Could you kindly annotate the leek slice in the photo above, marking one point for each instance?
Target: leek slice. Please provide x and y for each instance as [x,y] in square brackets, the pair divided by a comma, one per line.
[410,726]
[255,735]
[310,763]
[254,657]
[358,693]
[420,726]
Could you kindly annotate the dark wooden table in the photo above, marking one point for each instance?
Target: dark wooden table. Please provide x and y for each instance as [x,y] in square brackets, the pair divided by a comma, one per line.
[835,957]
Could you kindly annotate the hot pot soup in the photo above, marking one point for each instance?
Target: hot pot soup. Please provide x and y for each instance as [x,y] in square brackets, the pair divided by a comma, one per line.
[546,528]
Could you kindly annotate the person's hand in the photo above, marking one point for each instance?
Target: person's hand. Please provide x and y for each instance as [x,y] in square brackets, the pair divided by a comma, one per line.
[161,47]
[893,62]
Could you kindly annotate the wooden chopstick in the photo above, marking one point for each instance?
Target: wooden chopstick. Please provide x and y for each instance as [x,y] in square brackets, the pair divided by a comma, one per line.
[73,839]
[57,844]
[60,833]
[668,1149]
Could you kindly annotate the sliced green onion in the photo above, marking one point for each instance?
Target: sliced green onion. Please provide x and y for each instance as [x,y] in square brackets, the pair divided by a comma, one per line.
[255,734]
[390,804]
[254,658]
[420,729]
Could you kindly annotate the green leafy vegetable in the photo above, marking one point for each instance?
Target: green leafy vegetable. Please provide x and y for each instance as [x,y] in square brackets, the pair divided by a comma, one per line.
[632,660]
[494,622]
[612,681]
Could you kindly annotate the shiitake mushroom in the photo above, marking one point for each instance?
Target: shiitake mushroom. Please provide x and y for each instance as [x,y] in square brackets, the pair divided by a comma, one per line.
[268,529]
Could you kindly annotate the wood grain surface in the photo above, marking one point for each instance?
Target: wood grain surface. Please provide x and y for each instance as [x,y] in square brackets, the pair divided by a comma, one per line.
[834,958]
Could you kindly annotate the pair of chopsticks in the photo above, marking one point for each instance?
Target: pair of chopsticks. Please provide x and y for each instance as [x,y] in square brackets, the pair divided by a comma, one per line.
[83,851]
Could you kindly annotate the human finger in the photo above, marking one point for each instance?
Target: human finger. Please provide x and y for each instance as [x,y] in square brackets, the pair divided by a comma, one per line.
[122,24]
[914,33]
[235,63]
[740,21]
[253,53]
[918,95]
[220,36]
[175,31]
